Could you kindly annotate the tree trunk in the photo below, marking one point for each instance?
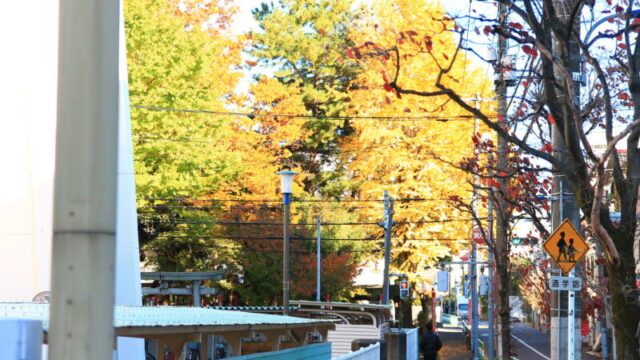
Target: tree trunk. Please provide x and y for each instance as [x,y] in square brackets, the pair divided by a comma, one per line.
[625,306]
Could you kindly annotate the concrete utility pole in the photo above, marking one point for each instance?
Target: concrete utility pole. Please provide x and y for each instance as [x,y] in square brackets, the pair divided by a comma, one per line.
[84,226]
[474,300]
[492,289]
[473,266]
[565,206]
[318,258]
[388,225]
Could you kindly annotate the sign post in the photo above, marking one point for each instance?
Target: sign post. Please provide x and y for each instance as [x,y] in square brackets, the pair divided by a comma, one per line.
[571,349]
[566,247]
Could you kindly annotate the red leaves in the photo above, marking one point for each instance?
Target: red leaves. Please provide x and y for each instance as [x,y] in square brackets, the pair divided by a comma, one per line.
[530,51]
[388,87]
[384,76]
[494,183]
[516,25]
[551,119]
[547,148]
[350,54]
[623,96]
[428,43]
[251,62]
[622,46]
[487,30]
[353,53]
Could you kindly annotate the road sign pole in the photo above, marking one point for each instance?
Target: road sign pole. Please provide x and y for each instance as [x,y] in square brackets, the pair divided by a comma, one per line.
[318,258]
[387,224]
[571,323]
[566,247]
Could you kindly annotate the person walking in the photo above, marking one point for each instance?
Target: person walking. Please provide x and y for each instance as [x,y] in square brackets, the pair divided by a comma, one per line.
[430,343]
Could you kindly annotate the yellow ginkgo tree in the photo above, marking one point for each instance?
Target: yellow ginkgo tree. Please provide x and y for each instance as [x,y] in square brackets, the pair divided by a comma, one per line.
[412,146]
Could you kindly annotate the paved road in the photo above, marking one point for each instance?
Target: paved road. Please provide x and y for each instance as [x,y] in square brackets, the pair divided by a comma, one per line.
[529,344]
[454,346]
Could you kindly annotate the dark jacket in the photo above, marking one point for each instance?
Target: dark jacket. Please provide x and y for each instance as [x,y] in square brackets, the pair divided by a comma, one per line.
[430,343]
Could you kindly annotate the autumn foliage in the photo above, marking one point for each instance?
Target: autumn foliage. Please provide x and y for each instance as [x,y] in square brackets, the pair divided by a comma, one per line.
[317,103]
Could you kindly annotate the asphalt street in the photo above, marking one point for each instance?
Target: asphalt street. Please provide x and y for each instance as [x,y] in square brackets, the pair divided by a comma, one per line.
[529,343]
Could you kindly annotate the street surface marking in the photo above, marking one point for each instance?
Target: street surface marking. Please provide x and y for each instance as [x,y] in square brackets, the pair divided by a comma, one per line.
[529,346]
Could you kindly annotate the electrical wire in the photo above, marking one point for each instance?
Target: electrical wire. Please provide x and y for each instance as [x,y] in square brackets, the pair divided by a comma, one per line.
[296,200]
[206,222]
[301,116]
[254,250]
[293,238]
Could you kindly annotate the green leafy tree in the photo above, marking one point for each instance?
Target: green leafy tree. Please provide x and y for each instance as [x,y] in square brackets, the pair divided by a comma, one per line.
[174,62]
[304,43]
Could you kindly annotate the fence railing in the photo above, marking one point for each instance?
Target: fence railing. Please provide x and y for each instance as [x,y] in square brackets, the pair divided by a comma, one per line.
[413,343]
[371,352]
[320,351]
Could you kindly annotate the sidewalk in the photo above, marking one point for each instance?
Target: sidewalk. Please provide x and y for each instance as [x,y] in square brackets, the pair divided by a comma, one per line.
[454,346]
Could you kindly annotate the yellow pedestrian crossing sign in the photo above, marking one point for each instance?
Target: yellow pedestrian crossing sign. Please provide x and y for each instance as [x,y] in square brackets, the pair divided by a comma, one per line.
[566,247]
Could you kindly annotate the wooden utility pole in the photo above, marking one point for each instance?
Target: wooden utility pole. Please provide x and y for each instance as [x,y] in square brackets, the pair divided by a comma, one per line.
[84,222]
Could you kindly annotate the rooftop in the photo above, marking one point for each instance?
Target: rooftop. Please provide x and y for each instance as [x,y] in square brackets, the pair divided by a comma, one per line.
[166,316]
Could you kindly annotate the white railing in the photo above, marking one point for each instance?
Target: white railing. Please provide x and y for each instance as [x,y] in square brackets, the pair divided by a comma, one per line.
[371,352]
[413,343]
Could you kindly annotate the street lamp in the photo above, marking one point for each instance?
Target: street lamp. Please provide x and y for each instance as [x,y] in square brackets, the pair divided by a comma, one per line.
[286,182]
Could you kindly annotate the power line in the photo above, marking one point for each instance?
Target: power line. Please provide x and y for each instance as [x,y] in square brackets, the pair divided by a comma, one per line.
[338,148]
[246,249]
[267,238]
[301,116]
[294,200]
[238,223]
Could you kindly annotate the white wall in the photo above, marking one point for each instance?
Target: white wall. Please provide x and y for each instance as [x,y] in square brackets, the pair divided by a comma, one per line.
[28,73]
[28,97]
